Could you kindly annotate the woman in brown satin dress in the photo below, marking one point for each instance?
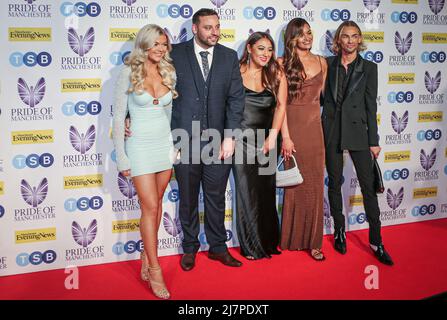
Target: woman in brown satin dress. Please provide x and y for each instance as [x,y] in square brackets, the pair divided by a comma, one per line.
[302,217]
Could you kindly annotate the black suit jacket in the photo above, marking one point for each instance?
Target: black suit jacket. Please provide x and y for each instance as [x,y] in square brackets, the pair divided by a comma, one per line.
[359,108]
[225,101]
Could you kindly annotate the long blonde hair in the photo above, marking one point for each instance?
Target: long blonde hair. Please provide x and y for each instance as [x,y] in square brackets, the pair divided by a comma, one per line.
[144,40]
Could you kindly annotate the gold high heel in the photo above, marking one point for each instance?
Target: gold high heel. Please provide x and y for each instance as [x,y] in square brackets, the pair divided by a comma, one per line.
[144,267]
[160,292]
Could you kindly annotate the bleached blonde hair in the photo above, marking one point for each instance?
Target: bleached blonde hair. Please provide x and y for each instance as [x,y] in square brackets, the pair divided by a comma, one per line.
[145,39]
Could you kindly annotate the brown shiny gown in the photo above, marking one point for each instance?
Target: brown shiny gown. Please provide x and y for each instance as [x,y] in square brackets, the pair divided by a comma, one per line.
[302,216]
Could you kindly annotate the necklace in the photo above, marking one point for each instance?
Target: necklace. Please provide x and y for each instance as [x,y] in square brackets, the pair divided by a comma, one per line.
[255,74]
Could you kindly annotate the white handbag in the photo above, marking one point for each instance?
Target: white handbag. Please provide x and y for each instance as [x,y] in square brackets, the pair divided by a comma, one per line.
[289,177]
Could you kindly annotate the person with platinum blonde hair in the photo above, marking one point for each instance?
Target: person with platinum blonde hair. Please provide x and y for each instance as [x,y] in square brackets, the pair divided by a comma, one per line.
[145,90]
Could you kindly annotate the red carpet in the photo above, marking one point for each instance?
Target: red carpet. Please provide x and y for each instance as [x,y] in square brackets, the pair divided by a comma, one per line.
[418,249]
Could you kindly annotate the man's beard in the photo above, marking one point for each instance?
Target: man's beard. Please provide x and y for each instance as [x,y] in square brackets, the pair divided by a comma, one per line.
[207,42]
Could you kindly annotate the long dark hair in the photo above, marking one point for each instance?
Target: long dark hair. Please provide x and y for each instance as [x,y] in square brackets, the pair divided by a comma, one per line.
[293,67]
[270,71]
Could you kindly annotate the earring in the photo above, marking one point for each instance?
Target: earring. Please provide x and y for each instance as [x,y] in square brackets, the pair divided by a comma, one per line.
[248,59]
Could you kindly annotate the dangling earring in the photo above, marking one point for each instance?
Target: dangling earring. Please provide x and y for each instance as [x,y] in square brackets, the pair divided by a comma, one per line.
[248,59]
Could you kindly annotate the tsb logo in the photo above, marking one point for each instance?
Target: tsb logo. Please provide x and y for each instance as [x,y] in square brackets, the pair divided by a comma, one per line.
[117,58]
[335,15]
[30,59]
[429,135]
[400,97]
[204,241]
[83,204]
[129,247]
[36,258]
[259,13]
[357,218]
[396,174]
[404,17]
[80,9]
[81,108]
[375,56]
[423,210]
[33,161]
[174,11]
[433,56]
[172,196]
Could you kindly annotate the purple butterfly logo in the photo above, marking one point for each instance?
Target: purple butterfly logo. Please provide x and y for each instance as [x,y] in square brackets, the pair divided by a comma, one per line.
[403,44]
[218,3]
[81,44]
[329,37]
[394,200]
[326,208]
[29,1]
[32,195]
[432,84]
[427,160]
[31,96]
[126,186]
[172,226]
[251,31]
[182,37]
[399,124]
[371,5]
[83,236]
[129,2]
[82,142]
[299,4]
[436,5]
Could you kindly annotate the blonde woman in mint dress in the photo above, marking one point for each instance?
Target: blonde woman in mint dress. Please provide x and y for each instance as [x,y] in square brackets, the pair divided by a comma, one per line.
[145,89]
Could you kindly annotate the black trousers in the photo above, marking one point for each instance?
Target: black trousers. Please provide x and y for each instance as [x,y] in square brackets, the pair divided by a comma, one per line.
[364,167]
[214,178]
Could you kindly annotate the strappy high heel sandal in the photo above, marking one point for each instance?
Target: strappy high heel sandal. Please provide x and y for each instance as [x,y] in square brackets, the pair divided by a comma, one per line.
[158,288]
[317,254]
[144,267]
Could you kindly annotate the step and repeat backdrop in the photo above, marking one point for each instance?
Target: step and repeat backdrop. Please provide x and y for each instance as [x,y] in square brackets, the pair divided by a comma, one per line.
[62,201]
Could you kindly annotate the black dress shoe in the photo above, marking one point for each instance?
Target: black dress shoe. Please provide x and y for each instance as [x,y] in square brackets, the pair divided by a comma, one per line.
[226,258]
[188,261]
[340,242]
[382,255]
[274,251]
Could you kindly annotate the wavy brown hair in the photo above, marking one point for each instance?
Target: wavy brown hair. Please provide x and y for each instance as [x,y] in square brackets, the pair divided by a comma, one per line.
[293,67]
[272,70]
[336,47]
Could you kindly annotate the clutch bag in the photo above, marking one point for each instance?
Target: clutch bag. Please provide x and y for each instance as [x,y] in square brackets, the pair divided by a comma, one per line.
[289,177]
[378,181]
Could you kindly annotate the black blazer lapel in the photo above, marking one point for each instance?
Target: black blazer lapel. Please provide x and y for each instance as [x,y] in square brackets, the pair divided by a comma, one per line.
[195,68]
[333,77]
[356,76]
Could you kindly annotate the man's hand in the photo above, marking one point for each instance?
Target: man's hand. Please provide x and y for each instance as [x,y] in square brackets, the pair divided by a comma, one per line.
[127,132]
[375,151]
[227,148]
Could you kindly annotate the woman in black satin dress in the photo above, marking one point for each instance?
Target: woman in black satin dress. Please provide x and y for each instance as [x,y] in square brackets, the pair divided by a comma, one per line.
[265,103]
